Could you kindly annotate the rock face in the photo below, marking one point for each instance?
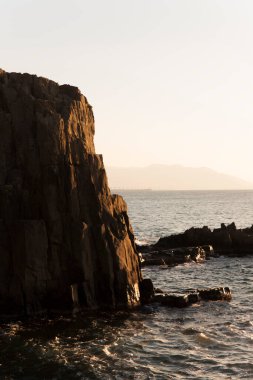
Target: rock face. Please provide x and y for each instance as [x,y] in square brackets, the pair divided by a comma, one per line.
[64,239]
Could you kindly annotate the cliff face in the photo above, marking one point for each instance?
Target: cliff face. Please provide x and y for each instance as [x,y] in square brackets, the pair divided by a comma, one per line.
[64,239]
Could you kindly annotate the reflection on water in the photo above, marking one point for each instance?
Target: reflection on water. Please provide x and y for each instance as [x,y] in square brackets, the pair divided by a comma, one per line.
[212,340]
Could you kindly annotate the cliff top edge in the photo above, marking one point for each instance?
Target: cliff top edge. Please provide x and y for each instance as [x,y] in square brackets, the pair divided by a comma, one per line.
[70,90]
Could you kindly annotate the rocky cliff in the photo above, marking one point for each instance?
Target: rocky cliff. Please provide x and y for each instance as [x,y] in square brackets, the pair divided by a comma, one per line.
[64,239]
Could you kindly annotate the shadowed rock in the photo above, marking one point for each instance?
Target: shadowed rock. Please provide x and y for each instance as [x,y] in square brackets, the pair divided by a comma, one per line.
[176,256]
[147,290]
[224,240]
[215,294]
[173,300]
[198,244]
[64,239]
[184,300]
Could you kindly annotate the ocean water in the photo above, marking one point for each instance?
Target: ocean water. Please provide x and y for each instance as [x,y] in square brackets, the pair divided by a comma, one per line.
[210,340]
[154,214]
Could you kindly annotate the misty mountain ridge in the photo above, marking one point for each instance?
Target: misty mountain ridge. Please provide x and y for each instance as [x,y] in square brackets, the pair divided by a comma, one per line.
[173,177]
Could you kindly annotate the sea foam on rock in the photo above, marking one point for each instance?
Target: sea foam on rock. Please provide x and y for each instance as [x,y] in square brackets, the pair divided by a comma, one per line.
[64,239]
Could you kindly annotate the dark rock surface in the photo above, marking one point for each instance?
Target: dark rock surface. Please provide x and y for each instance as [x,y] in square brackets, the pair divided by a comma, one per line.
[215,294]
[184,300]
[172,257]
[147,290]
[64,239]
[226,240]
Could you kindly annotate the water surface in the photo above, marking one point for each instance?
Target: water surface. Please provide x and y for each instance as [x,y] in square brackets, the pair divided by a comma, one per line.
[210,340]
[154,214]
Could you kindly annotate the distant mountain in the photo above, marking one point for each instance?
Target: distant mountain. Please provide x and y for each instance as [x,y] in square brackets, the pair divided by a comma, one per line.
[173,177]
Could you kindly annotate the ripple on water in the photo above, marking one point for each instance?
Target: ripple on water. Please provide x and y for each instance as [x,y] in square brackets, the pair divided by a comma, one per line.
[211,341]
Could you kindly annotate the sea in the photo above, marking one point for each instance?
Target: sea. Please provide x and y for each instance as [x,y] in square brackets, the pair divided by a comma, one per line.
[209,340]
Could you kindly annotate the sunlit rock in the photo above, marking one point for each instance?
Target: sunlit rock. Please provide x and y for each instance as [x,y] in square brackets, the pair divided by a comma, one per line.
[65,241]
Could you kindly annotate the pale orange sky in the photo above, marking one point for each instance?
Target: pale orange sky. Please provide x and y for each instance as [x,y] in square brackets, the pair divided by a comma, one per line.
[170,81]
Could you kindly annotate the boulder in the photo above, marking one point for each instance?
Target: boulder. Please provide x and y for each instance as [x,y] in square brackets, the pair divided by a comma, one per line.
[215,294]
[147,290]
[184,300]
[167,258]
[175,300]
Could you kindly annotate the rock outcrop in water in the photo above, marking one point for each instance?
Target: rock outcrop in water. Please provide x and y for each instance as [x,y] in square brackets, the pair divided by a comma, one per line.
[64,239]
[190,298]
[152,295]
[226,240]
[171,257]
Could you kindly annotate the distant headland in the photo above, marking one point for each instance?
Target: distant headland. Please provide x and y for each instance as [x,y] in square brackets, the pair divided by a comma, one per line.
[173,177]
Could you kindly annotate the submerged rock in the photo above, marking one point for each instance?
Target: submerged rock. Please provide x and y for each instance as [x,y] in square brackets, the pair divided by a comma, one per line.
[64,239]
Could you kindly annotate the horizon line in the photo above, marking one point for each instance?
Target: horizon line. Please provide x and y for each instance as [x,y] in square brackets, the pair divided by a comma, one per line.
[140,189]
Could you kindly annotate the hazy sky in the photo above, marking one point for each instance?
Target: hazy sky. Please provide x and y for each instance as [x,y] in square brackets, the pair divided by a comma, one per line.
[170,81]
